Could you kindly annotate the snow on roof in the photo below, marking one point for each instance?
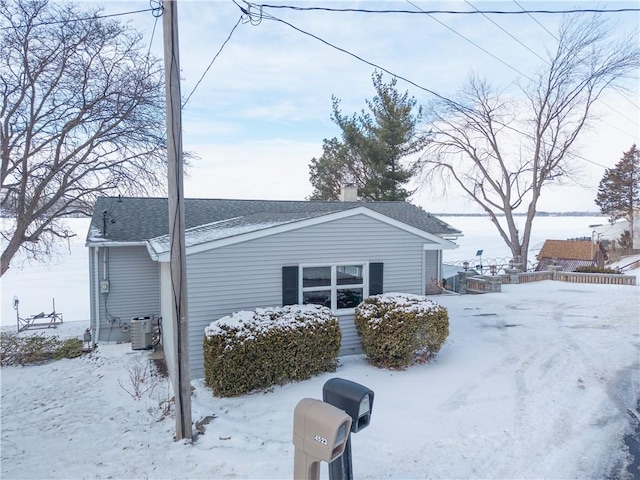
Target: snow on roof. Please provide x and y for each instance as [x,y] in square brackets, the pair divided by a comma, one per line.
[225,229]
[95,235]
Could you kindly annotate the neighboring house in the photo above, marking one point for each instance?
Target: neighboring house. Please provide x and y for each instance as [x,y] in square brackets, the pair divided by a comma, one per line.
[244,254]
[570,254]
[613,231]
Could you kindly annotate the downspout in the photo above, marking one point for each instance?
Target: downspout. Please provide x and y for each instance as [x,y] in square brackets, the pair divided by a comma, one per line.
[424,271]
[96,303]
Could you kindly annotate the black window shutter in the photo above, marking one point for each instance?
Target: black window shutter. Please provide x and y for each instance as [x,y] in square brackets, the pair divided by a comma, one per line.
[289,285]
[375,278]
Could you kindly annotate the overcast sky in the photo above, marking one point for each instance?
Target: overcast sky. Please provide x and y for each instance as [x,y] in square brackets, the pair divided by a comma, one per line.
[261,112]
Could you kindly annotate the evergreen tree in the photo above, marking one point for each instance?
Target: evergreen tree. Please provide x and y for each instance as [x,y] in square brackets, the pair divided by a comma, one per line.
[619,190]
[373,151]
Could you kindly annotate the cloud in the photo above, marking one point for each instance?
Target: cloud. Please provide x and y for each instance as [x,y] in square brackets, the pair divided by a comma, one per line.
[262,110]
[268,170]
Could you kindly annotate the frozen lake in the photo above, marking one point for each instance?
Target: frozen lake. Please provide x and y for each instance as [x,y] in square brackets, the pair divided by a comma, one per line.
[67,278]
[481,234]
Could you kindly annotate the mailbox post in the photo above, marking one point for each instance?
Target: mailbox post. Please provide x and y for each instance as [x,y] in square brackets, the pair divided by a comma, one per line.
[320,434]
[357,401]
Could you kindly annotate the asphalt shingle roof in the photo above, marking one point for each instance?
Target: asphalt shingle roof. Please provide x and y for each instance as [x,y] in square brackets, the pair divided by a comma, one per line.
[134,219]
[568,249]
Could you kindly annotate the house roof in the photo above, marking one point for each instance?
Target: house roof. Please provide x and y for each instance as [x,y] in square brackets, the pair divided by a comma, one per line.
[134,220]
[228,228]
[241,229]
[567,265]
[568,250]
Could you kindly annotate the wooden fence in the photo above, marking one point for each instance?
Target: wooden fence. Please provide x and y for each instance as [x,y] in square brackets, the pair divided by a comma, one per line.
[527,277]
[475,285]
[600,278]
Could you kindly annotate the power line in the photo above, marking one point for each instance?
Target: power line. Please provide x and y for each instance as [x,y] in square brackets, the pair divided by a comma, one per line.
[557,40]
[515,69]
[271,17]
[507,32]
[536,20]
[628,99]
[473,43]
[214,59]
[157,13]
[81,19]
[602,101]
[518,71]
[448,12]
[267,16]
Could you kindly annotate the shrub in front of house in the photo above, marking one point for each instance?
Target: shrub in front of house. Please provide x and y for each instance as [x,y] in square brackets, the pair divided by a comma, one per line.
[39,348]
[597,270]
[253,350]
[400,329]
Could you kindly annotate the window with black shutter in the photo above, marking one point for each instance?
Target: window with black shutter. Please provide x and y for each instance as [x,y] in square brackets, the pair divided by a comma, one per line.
[290,285]
[339,287]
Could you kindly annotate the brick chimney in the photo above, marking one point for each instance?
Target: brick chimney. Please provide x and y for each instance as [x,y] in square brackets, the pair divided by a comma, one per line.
[349,193]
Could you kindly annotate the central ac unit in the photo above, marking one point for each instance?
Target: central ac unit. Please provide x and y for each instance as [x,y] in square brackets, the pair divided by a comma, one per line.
[141,333]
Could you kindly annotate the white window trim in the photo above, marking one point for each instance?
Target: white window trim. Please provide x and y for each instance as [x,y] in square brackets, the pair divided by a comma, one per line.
[334,284]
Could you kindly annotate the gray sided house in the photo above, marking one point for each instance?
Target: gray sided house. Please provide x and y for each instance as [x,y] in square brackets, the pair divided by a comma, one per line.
[244,254]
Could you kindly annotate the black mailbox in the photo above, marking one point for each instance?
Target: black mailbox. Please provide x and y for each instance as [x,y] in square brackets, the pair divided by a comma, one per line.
[356,401]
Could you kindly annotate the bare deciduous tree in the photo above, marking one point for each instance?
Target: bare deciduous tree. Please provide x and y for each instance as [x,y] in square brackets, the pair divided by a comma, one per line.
[82,115]
[503,151]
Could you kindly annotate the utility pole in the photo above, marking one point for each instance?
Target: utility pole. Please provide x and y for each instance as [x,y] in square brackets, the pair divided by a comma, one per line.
[178,265]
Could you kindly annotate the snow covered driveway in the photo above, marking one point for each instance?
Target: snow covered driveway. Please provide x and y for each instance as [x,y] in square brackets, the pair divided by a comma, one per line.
[534,382]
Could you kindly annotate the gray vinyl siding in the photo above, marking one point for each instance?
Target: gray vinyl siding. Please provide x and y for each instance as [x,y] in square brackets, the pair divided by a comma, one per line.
[249,274]
[134,290]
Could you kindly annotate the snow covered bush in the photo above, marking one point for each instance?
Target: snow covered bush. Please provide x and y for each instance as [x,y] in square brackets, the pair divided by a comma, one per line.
[252,350]
[594,269]
[400,329]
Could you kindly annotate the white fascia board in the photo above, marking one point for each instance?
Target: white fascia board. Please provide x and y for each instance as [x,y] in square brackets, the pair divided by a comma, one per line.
[107,243]
[152,253]
[444,245]
[408,228]
[438,242]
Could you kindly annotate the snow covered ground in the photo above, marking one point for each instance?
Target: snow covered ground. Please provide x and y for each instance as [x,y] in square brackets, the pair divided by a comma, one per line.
[533,382]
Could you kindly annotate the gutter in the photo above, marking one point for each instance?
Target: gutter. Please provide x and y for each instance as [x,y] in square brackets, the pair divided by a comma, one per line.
[105,243]
[151,251]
